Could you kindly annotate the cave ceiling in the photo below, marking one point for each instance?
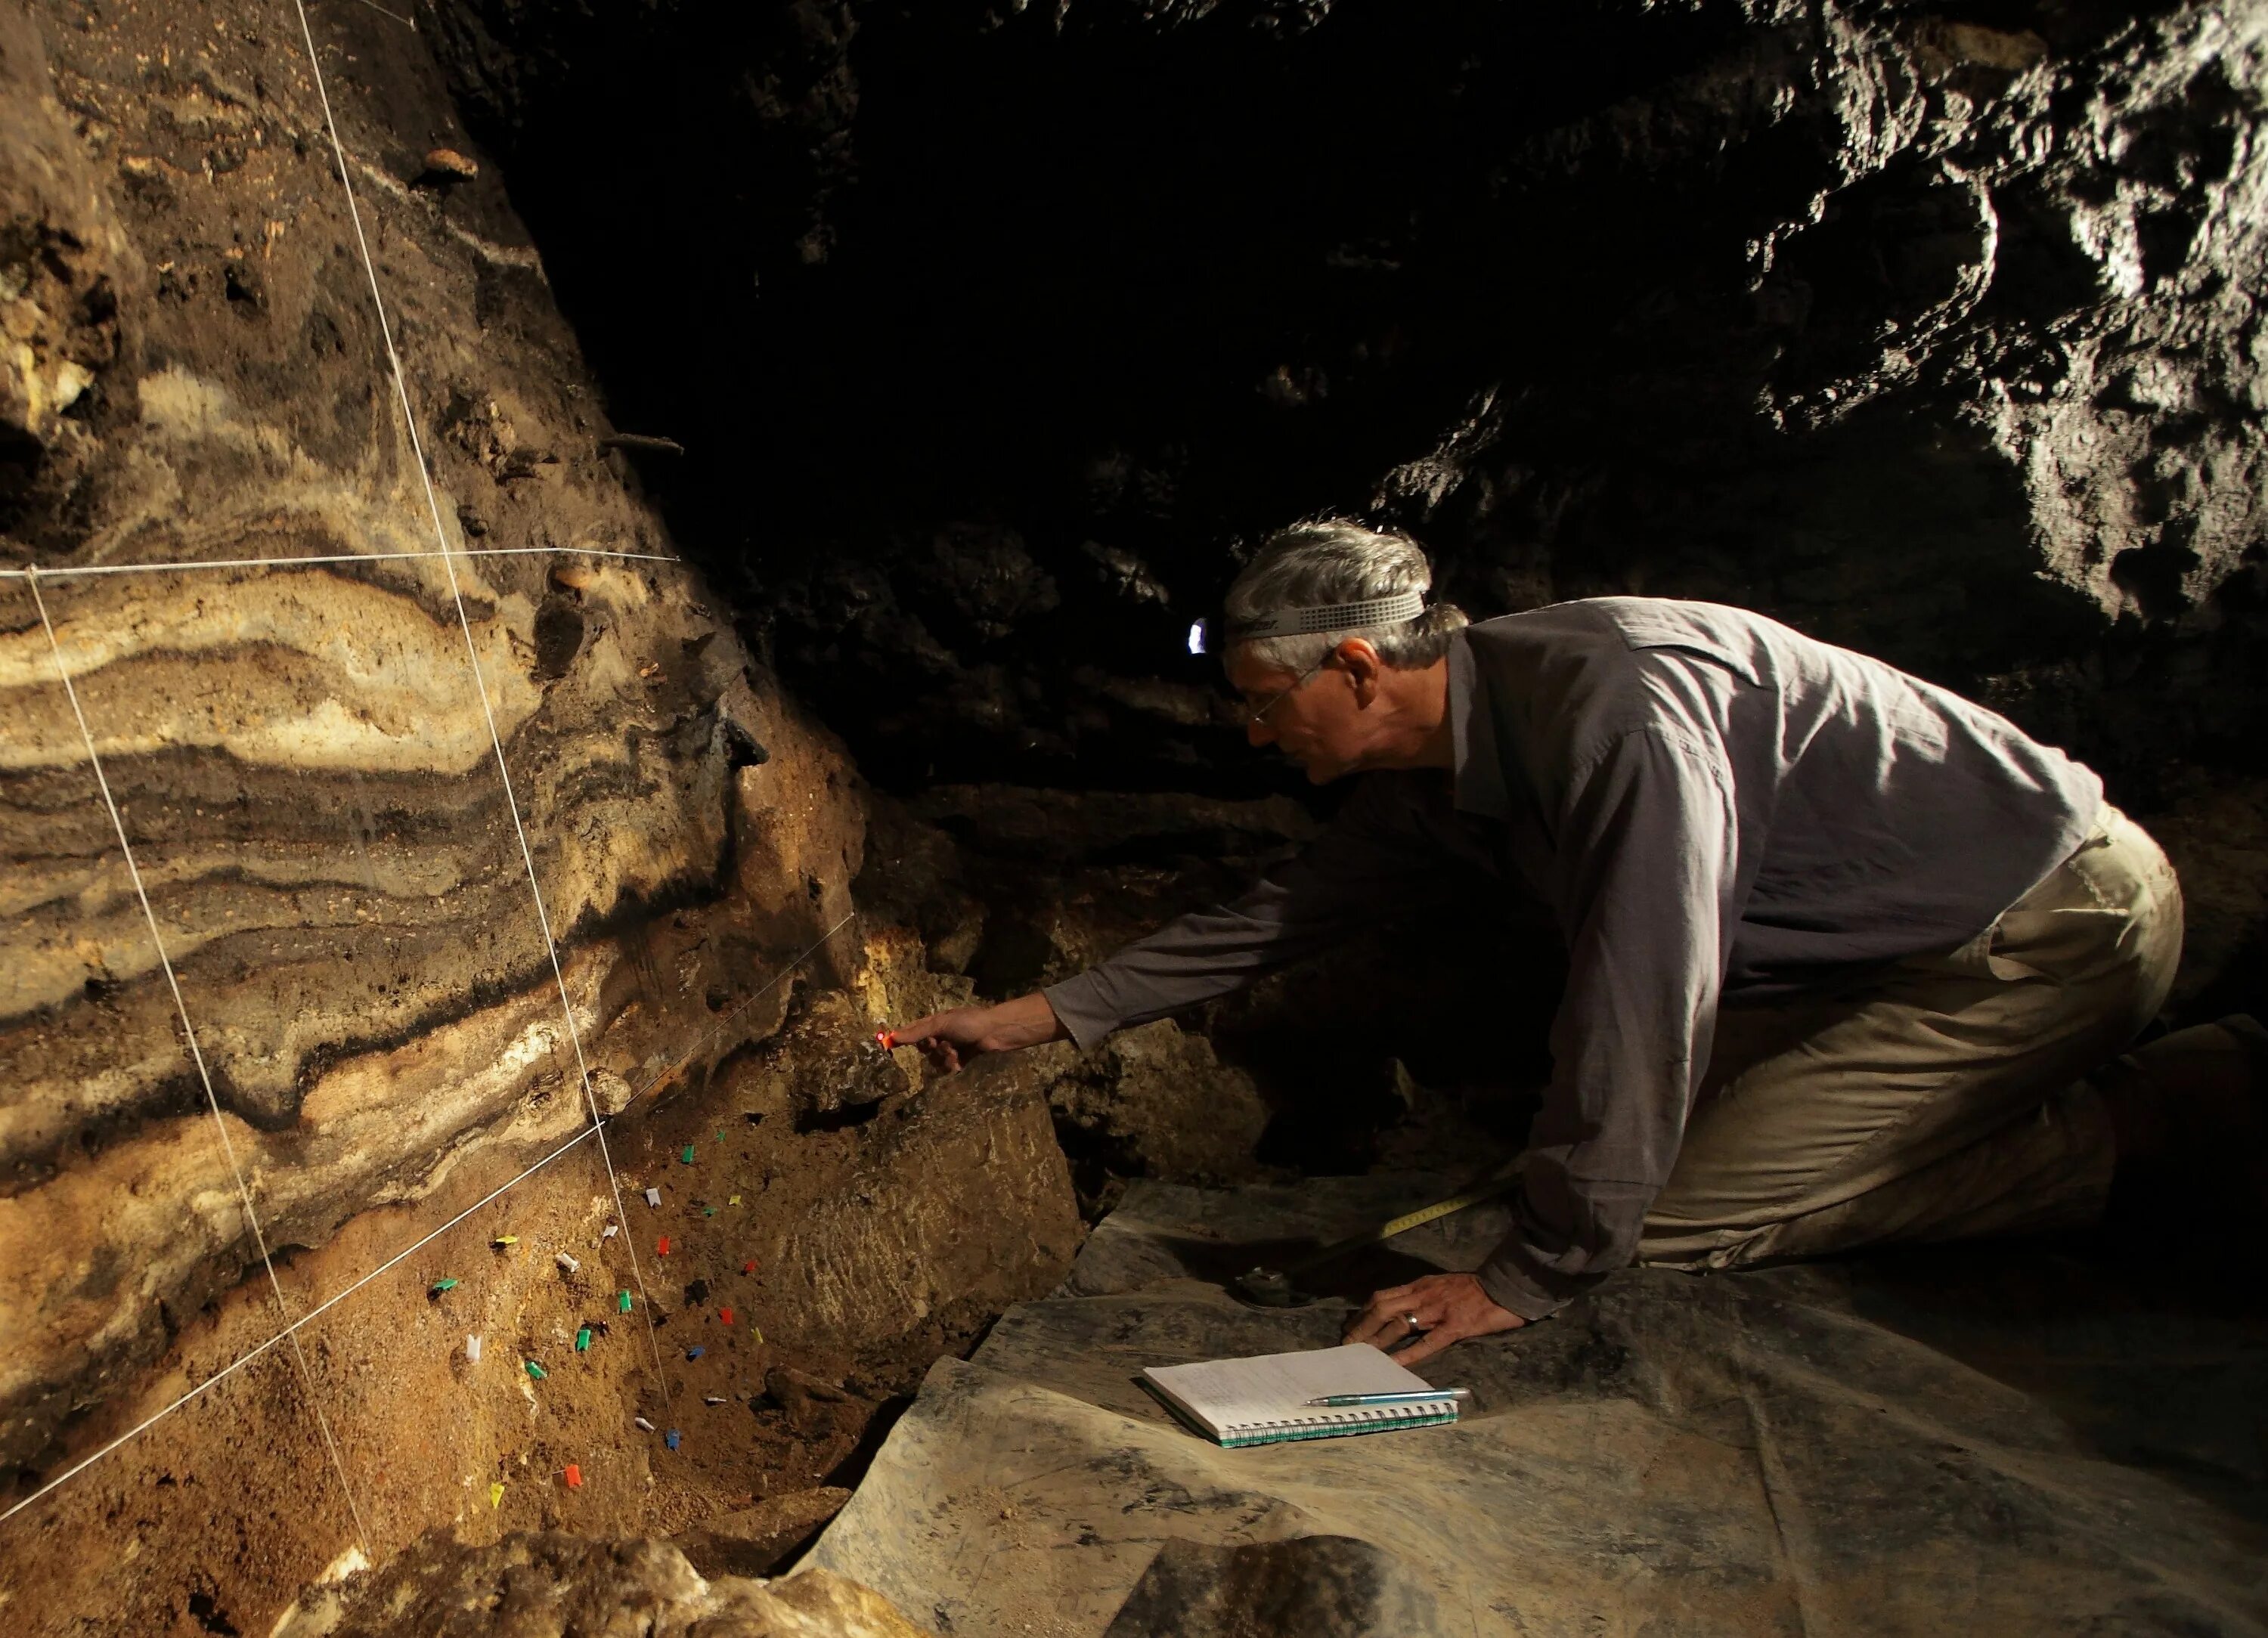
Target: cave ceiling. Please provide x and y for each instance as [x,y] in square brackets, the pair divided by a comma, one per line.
[995,335]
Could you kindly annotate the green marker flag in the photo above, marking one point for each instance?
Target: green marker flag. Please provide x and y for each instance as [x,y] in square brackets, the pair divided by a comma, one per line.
[534,1369]
[622,1303]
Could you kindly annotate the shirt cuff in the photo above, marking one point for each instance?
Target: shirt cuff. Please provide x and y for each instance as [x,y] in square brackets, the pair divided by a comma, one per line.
[1080,1007]
[1513,1279]
[1509,1290]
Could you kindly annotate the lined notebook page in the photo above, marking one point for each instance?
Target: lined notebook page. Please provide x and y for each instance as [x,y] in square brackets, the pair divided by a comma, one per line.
[1259,1399]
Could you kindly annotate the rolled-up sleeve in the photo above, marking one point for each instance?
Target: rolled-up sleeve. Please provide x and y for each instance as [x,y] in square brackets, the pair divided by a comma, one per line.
[1372,865]
[1645,845]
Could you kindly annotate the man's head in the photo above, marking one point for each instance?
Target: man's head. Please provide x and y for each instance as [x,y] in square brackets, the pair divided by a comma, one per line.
[1346,697]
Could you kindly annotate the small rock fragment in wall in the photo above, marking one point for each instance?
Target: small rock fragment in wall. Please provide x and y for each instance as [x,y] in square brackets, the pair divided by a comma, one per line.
[641,1422]
[622,1303]
[496,1494]
[653,1197]
[473,1350]
[574,1476]
[447,164]
[695,1352]
[582,1339]
[534,1369]
[685,1155]
[672,1438]
[434,1290]
[661,1247]
[568,1263]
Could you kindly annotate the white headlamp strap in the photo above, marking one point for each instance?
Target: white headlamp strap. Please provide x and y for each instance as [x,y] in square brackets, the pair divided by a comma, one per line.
[1308,622]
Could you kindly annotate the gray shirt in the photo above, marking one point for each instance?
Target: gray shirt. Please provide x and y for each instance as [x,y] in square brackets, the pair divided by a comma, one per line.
[1711,805]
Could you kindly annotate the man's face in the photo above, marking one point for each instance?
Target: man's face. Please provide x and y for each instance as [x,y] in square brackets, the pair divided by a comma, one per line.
[1316,719]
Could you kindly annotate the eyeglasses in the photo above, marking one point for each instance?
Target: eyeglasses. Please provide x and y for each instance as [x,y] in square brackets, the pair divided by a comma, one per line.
[1278,698]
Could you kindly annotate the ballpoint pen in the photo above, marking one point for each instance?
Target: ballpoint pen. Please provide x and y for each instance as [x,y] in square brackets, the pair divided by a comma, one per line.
[1425,1396]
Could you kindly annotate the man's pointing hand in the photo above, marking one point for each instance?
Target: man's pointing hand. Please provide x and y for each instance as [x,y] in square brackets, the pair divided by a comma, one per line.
[964,1032]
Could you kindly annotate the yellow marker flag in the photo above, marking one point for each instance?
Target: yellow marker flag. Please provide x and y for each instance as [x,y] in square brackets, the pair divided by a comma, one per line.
[496,1494]
[733,1202]
[756,1330]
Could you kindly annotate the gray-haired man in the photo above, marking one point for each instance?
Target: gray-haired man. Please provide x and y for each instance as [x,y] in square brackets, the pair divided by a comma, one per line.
[1841,944]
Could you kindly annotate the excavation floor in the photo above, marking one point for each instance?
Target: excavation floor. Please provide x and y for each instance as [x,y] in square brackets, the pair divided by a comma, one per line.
[2001,1439]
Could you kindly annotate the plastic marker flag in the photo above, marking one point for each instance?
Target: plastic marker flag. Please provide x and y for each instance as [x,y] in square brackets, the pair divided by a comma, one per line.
[641,1422]
[622,1303]
[568,1263]
[582,1339]
[574,1476]
[1198,637]
[534,1369]
[661,1247]
[496,1496]
[503,1240]
[685,1155]
[439,1286]
[673,1438]
[695,1352]
[653,1197]
[473,1350]
[725,1314]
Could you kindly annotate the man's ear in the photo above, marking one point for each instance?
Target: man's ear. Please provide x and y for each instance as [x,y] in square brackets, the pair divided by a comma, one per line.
[1360,662]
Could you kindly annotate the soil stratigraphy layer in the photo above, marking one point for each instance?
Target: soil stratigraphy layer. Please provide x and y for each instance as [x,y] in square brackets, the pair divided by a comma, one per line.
[303,761]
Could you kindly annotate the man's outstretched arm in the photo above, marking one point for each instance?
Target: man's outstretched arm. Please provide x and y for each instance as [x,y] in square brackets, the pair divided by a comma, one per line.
[1370,867]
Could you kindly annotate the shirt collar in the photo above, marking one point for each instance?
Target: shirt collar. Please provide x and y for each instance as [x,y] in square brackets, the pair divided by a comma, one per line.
[1478,775]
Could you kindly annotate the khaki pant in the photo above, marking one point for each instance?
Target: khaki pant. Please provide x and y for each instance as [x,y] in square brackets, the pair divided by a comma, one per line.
[1940,1099]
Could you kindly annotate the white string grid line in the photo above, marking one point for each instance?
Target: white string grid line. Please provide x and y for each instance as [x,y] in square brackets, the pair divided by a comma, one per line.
[329,558]
[204,1074]
[473,656]
[418,1244]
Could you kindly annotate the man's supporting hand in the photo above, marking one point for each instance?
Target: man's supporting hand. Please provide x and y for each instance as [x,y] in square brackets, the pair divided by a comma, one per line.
[1448,1307]
[966,1031]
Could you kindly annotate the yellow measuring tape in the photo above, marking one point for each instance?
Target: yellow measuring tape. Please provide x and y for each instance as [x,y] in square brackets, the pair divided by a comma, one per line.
[1410,1220]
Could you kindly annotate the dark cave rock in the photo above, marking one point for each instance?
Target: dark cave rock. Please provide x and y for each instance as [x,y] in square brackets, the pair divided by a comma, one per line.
[1926,331]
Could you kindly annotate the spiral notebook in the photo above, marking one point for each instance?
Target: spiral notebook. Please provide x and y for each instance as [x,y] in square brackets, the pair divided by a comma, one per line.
[1261,1401]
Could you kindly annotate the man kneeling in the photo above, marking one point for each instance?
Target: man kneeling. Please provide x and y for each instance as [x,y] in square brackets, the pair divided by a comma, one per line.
[1843,947]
